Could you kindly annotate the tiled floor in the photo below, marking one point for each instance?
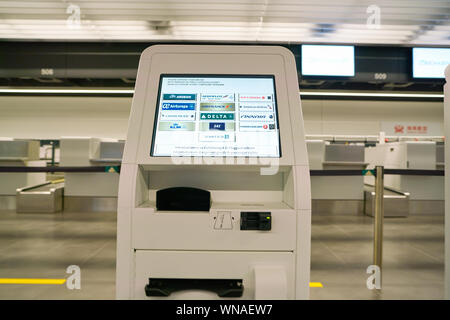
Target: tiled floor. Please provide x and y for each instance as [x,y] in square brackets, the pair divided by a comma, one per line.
[413,257]
[44,245]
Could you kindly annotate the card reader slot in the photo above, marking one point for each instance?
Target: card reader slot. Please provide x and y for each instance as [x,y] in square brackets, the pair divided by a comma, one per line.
[225,288]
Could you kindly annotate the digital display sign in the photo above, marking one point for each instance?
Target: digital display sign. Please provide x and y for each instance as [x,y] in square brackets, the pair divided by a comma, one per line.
[430,62]
[327,60]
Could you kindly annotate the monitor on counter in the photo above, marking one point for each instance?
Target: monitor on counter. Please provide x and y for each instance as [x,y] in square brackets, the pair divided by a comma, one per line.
[216,115]
[325,60]
[430,62]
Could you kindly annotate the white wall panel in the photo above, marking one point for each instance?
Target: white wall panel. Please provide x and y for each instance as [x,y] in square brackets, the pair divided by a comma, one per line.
[53,117]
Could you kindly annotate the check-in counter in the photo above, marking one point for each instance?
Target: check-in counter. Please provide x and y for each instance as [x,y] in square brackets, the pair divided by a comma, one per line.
[440,156]
[42,198]
[336,194]
[91,191]
[426,192]
[18,153]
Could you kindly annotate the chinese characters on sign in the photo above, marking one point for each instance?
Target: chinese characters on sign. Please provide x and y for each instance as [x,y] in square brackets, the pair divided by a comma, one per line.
[412,129]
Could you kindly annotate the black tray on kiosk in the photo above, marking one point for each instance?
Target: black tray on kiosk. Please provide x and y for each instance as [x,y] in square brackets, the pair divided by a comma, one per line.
[183,199]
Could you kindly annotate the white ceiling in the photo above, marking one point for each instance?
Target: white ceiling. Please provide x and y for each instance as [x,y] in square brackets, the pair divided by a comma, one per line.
[408,22]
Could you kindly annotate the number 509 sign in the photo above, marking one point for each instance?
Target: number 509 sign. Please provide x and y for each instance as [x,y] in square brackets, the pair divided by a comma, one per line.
[380,76]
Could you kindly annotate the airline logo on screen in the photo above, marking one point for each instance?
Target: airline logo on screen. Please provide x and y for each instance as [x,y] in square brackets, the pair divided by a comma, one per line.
[256,126]
[179,96]
[216,116]
[178,106]
[216,137]
[260,116]
[180,116]
[256,107]
[217,97]
[217,106]
[176,126]
[217,126]
[254,97]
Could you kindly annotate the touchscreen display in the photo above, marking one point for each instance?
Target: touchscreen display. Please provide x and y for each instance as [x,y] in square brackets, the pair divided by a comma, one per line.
[206,115]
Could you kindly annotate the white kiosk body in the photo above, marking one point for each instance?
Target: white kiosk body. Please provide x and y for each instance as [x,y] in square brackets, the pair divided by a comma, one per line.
[227,120]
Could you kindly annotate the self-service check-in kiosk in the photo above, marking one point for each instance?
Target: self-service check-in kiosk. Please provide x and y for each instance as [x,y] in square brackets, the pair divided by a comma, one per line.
[214,193]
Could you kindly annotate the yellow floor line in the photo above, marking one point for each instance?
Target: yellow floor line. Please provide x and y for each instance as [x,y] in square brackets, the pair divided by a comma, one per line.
[62,281]
[31,281]
[315,285]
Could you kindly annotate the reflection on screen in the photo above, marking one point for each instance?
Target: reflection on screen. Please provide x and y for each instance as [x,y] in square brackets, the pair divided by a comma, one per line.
[231,116]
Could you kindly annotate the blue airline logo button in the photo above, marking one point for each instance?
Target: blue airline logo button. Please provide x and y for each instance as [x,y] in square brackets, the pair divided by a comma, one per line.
[178,96]
[178,106]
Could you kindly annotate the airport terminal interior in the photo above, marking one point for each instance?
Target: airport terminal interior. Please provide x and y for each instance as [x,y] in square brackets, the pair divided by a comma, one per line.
[260,149]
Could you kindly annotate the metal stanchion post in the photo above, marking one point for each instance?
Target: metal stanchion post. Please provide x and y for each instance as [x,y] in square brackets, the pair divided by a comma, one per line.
[379,214]
[53,153]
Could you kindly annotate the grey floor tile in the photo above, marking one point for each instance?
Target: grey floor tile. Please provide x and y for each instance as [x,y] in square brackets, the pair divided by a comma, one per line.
[43,245]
